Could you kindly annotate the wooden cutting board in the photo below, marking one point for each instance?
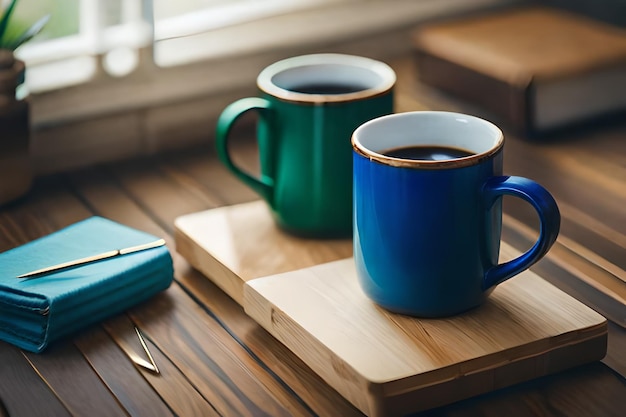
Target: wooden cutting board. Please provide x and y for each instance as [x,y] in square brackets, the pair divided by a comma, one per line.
[234,244]
[385,364]
[388,364]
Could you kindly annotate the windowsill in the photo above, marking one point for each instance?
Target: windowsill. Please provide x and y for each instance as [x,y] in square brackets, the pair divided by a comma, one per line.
[177,103]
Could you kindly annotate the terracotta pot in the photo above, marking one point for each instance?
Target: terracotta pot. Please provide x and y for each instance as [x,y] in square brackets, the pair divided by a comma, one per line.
[16,173]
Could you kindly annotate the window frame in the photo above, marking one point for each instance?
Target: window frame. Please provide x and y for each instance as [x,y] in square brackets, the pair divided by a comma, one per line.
[173,98]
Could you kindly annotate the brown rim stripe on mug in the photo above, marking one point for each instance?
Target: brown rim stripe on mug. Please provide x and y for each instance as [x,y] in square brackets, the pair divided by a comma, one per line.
[427,164]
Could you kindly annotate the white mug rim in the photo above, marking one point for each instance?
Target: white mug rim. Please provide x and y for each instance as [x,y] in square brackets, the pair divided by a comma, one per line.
[386,75]
[497,138]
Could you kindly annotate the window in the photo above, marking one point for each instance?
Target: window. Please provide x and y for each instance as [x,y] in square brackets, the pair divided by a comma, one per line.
[116,30]
[152,67]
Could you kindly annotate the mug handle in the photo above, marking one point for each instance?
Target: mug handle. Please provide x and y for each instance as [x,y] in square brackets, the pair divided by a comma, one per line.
[549,223]
[264,185]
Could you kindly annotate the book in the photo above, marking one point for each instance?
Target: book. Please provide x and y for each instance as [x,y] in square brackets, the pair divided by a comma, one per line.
[40,309]
[538,68]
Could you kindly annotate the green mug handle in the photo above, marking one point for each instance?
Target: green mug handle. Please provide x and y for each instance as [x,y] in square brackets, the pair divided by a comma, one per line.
[264,185]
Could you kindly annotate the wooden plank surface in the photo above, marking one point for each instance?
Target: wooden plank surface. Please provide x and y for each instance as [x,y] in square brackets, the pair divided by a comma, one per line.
[187,331]
[150,193]
[129,388]
[20,384]
[183,187]
[321,314]
[72,379]
[562,394]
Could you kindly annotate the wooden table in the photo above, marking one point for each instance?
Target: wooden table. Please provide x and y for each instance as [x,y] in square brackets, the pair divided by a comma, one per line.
[215,360]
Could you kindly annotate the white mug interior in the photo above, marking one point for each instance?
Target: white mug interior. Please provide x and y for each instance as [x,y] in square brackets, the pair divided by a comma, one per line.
[368,77]
[427,128]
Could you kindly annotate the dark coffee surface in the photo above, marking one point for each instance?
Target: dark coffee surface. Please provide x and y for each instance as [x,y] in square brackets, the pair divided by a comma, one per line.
[428,152]
[319,88]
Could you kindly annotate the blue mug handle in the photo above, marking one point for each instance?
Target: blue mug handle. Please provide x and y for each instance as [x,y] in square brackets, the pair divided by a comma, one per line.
[549,223]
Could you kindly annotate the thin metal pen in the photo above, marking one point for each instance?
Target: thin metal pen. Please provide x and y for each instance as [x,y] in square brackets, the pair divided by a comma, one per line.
[91,259]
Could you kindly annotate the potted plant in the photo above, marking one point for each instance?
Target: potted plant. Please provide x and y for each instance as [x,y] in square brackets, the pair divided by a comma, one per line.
[15,168]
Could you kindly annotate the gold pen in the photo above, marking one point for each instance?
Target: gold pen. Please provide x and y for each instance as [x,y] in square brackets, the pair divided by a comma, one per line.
[93,258]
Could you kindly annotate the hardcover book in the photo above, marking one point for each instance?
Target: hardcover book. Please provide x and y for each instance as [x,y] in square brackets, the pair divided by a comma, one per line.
[538,68]
[41,308]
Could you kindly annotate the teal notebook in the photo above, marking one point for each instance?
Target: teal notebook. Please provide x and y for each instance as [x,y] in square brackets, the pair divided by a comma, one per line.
[37,311]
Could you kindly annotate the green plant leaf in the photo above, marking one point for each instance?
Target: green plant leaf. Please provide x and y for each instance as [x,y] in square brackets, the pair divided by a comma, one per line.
[4,21]
[30,33]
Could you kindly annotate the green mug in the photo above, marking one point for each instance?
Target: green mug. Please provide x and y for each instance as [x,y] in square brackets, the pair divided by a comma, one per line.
[307,110]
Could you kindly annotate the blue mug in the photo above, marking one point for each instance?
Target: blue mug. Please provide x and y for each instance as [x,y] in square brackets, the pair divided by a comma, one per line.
[427,212]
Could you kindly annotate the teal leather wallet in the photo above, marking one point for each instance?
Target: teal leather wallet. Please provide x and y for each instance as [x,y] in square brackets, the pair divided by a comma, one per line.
[38,310]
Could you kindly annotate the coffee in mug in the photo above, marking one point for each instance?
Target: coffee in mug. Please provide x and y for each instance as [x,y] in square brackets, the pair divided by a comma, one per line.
[428,152]
[326,89]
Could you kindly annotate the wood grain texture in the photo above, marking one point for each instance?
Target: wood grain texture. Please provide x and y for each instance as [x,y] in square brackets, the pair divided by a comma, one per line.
[186,331]
[589,295]
[129,386]
[22,391]
[180,180]
[209,229]
[71,377]
[562,394]
[150,193]
[588,267]
[376,358]
[171,387]
[191,170]
[280,361]
[230,237]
